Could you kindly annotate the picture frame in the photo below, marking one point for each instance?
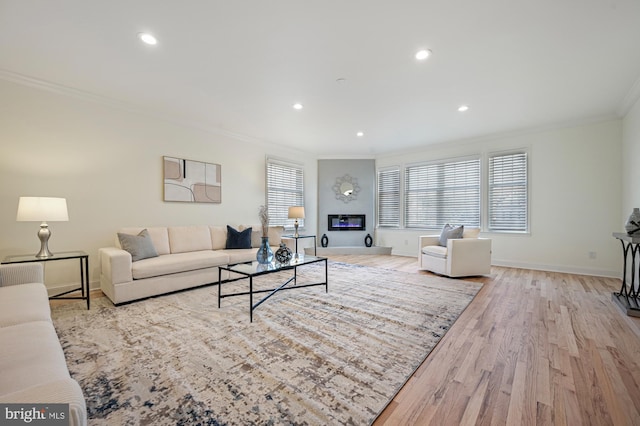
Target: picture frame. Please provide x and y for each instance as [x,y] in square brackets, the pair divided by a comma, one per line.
[191,181]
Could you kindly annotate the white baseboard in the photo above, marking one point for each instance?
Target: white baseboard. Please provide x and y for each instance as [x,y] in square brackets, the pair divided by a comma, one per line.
[558,268]
[349,250]
[68,287]
[550,268]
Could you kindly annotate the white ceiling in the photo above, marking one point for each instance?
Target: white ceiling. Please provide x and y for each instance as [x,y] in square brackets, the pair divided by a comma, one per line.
[237,66]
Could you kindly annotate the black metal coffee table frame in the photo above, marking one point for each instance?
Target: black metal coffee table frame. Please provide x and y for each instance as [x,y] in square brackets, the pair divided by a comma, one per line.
[254,269]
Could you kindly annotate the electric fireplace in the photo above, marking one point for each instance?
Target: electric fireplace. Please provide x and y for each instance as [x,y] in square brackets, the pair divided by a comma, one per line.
[346,222]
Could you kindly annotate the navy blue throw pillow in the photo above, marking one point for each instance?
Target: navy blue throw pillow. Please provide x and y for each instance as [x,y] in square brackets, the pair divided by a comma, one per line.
[237,239]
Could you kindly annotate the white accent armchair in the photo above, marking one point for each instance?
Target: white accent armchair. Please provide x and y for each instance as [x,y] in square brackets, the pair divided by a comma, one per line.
[466,256]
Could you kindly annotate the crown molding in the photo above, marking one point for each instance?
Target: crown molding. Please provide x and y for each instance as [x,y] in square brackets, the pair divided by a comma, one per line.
[346,157]
[48,86]
[630,100]
[502,135]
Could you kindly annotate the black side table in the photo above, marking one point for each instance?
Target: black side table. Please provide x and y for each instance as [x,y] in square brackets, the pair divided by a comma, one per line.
[628,298]
[315,250]
[84,270]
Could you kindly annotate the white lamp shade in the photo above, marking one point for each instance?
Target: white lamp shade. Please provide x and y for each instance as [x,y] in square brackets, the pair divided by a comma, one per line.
[42,209]
[296,212]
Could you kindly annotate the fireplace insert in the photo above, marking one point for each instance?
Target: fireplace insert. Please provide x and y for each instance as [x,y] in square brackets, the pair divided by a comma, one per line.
[347,222]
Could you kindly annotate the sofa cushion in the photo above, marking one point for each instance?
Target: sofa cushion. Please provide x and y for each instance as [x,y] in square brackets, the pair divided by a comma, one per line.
[21,273]
[24,303]
[183,239]
[139,246]
[241,255]
[471,233]
[450,232]
[159,237]
[32,357]
[179,262]
[238,239]
[218,237]
[274,233]
[436,251]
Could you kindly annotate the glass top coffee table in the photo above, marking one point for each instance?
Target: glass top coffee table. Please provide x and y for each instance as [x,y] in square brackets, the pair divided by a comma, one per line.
[255,269]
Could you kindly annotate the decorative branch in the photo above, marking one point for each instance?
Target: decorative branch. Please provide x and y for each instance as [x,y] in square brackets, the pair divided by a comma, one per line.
[264,220]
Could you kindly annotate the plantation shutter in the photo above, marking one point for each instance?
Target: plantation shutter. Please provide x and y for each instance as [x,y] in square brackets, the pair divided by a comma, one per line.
[285,188]
[508,193]
[389,198]
[444,192]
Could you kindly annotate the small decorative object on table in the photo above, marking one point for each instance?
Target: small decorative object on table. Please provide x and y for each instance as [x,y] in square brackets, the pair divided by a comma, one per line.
[265,254]
[368,241]
[324,241]
[284,254]
[633,224]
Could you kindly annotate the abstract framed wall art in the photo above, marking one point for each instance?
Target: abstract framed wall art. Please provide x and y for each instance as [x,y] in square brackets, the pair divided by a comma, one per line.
[191,181]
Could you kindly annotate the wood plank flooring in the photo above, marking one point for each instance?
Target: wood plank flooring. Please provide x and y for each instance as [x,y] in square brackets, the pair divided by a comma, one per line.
[533,347]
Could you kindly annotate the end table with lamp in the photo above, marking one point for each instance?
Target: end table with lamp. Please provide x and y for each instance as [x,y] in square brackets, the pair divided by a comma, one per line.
[84,270]
[297,212]
[50,209]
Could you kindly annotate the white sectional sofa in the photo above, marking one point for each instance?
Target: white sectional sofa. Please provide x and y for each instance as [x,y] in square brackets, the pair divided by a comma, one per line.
[33,369]
[188,256]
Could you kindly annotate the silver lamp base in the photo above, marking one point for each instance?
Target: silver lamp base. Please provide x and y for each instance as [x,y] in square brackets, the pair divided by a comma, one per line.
[295,225]
[44,235]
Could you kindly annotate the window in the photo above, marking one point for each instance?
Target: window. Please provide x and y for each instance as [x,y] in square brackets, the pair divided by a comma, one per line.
[443,192]
[285,188]
[508,194]
[389,198]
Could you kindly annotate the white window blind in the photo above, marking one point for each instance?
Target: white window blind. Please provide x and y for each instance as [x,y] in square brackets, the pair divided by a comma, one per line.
[444,192]
[508,193]
[389,198]
[285,188]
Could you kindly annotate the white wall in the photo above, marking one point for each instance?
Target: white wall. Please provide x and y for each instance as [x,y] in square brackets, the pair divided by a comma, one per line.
[575,199]
[107,163]
[630,159]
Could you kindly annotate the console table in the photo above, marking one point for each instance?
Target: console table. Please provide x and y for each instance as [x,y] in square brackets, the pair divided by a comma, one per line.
[84,270]
[628,298]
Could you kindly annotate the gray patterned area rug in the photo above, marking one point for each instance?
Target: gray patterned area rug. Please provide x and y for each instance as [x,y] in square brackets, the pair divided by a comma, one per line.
[308,358]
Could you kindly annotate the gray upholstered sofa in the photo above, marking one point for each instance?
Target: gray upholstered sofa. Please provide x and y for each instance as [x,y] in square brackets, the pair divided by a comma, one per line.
[32,364]
[188,256]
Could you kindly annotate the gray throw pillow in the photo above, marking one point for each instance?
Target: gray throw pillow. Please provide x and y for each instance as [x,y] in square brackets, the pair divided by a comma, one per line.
[237,239]
[450,232]
[139,246]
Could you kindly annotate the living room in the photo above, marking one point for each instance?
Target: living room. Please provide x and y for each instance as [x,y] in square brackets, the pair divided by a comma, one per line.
[104,156]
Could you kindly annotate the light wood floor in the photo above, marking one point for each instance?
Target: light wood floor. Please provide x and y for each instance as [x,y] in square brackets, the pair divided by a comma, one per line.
[532,348]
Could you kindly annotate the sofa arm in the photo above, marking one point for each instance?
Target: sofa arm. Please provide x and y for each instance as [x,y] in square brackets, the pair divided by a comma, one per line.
[469,256]
[427,240]
[115,265]
[21,273]
[63,391]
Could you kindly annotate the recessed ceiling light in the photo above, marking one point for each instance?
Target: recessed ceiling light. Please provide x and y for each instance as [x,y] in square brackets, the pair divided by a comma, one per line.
[341,80]
[360,134]
[297,106]
[421,55]
[463,108]
[147,38]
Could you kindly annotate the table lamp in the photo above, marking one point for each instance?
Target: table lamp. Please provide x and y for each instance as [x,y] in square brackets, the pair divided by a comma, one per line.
[296,212]
[42,209]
